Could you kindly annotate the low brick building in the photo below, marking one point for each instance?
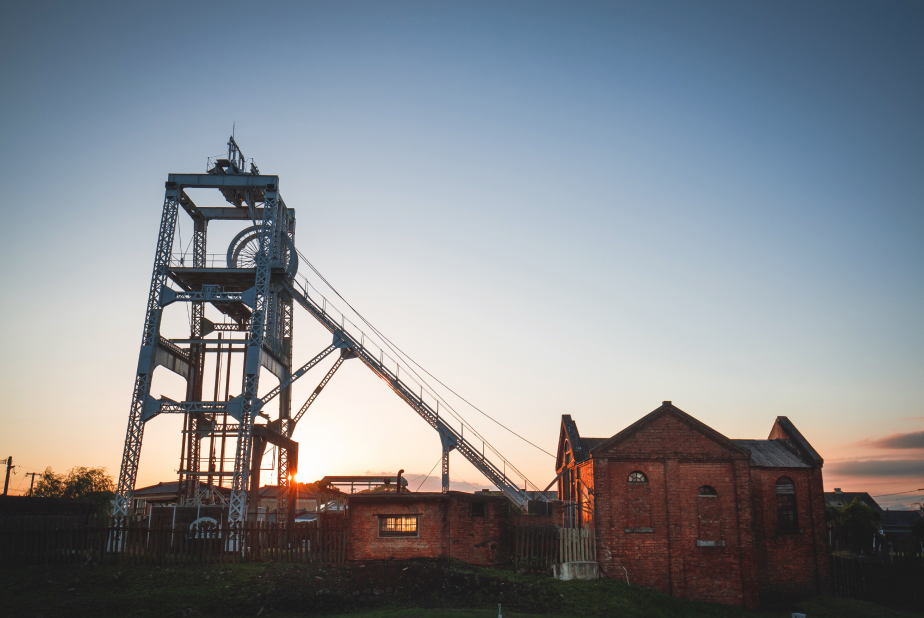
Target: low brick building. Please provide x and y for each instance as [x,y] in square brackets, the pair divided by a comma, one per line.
[687,511]
[472,528]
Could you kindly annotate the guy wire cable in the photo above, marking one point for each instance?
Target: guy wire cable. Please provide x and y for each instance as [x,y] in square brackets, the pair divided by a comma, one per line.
[417,364]
[429,473]
[400,352]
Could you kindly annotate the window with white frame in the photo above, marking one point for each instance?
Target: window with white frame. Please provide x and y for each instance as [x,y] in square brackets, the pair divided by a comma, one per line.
[637,477]
[398,525]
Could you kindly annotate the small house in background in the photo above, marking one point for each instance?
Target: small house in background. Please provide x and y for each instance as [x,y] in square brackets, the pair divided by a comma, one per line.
[269,498]
[839,499]
[896,525]
[162,494]
[679,507]
[167,494]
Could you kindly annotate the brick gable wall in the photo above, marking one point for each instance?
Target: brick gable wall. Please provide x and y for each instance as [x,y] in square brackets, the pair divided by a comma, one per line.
[662,532]
[727,549]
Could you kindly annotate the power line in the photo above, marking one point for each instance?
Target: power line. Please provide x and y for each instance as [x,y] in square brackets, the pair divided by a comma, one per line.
[389,344]
[898,493]
[21,481]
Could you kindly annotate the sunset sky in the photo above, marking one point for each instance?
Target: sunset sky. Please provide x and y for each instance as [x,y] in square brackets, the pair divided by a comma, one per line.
[582,208]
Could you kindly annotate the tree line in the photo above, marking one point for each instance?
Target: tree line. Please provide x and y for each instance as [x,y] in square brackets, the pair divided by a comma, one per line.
[78,483]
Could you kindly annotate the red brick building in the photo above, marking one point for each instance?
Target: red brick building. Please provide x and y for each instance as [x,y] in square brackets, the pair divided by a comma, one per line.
[472,528]
[687,511]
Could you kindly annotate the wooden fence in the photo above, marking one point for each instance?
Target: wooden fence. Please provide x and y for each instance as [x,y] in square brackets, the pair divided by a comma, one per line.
[63,540]
[898,582]
[578,545]
[539,547]
[535,547]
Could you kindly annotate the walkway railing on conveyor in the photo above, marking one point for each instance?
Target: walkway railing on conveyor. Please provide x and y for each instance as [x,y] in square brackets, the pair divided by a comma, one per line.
[424,402]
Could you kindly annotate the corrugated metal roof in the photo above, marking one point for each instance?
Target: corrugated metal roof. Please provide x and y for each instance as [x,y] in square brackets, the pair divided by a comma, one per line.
[770,454]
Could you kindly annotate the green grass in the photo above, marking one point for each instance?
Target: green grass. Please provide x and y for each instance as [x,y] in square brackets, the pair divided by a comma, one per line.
[442,589]
[448,613]
[821,607]
[442,613]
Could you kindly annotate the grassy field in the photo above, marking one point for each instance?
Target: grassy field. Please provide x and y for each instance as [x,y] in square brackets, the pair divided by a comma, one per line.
[375,590]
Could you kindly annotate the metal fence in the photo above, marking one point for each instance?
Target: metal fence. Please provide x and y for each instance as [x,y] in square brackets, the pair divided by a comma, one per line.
[70,540]
[898,582]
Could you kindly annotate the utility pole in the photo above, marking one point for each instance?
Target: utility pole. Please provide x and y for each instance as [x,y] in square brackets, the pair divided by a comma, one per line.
[9,466]
[32,482]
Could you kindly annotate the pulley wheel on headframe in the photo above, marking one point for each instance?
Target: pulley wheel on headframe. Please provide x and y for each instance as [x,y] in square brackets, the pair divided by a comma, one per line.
[245,247]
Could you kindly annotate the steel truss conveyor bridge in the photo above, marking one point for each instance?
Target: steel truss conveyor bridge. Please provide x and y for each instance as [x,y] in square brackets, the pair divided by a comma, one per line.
[255,286]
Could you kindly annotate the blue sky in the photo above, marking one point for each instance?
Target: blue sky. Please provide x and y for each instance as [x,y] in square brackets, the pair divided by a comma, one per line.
[581,208]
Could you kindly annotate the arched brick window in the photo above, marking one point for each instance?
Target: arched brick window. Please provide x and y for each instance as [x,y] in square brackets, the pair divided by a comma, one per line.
[638,503]
[637,477]
[786,512]
[710,516]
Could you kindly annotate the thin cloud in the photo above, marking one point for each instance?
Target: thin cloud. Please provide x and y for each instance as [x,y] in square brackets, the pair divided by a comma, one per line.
[914,439]
[879,467]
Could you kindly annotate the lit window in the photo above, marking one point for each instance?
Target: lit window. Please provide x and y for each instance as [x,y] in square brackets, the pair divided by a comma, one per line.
[637,477]
[707,492]
[397,525]
[787,516]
